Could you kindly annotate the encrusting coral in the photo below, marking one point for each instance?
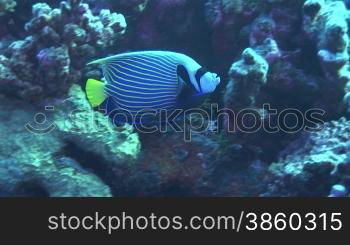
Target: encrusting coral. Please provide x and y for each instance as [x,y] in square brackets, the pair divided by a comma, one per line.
[92,131]
[55,53]
[32,162]
[39,155]
[317,159]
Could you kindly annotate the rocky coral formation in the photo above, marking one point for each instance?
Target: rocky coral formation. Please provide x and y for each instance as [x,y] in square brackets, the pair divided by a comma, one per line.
[227,12]
[54,152]
[285,72]
[31,162]
[277,31]
[61,41]
[247,76]
[92,131]
[325,23]
[314,163]
[287,53]
[262,39]
[7,6]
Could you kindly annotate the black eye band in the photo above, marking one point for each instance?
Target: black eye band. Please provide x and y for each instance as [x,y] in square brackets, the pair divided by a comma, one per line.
[200,72]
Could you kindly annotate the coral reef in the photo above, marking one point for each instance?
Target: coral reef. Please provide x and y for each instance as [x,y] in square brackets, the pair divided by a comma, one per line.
[247,76]
[282,65]
[40,159]
[60,43]
[33,164]
[315,162]
[284,53]
[92,131]
[326,24]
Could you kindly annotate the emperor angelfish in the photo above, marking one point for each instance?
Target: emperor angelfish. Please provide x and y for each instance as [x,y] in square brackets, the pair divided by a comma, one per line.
[137,83]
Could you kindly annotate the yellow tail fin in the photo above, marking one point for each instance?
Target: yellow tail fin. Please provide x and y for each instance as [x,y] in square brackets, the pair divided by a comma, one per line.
[95,92]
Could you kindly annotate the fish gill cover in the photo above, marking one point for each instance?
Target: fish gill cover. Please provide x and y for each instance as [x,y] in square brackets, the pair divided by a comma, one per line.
[277,125]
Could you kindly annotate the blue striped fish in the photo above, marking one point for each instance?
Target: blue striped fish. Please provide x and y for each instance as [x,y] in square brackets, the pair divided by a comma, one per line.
[139,83]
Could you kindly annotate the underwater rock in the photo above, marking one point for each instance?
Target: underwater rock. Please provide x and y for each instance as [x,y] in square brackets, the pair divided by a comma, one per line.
[31,159]
[60,43]
[325,23]
[262,39]
[65,150]
[315,162]
[227,12]
[169,166]
[10,83]
[227,20]
[92,131]
[246,78]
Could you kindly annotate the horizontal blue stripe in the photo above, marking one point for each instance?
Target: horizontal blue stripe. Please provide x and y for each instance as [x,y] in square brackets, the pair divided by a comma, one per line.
[149,104]
[159,63]
[126,80]
[138,85]
[144,71]
[144,110]
[136,96]
[154,69]
[166,105]
[131,74]
[141,92]
[166,59]
[153,60]
[145,101]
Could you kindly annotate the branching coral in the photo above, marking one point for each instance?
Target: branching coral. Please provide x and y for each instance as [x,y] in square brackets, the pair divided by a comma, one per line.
[62,40]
